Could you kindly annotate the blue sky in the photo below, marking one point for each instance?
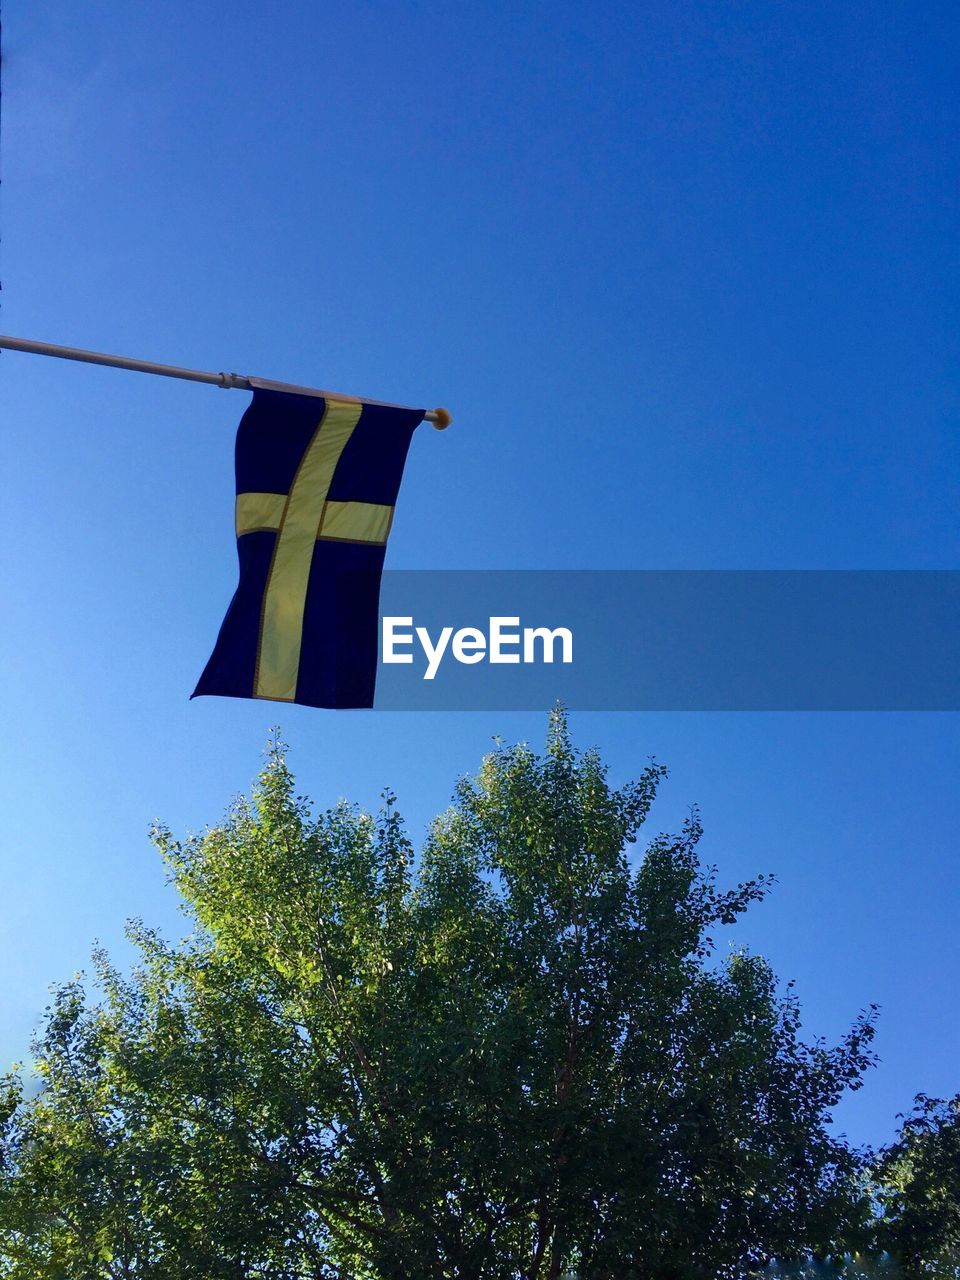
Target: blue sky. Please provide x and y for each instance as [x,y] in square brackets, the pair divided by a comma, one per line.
[685,273]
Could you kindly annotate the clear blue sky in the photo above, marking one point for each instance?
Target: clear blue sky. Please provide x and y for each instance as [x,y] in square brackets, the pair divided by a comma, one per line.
[686,273]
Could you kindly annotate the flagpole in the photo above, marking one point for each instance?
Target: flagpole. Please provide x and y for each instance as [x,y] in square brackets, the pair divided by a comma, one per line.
[230,381]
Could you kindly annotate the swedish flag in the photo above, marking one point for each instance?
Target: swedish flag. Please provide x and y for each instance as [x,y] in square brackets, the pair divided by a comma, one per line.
[317,481]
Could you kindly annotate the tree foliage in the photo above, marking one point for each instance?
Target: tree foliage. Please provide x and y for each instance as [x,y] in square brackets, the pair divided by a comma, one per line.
[918,1181]
[514,1057]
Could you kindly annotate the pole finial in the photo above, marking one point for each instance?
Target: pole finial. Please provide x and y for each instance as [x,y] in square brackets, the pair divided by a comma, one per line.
[442,419]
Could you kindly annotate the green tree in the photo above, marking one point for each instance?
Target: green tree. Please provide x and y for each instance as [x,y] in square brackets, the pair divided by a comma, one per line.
[918,1180]
[514,1058]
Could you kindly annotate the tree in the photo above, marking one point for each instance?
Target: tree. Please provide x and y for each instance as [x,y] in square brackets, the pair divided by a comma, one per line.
[918,1191]
[514,1058]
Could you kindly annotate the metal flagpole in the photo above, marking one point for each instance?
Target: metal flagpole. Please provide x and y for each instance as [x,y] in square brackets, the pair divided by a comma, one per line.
[230,381]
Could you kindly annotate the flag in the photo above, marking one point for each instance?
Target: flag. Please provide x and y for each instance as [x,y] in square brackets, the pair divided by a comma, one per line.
[317,481]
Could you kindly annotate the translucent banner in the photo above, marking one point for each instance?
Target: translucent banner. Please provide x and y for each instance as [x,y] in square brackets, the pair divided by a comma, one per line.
[668,640]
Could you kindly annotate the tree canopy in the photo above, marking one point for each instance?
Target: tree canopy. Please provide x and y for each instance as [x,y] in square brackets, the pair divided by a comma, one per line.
[918,1191]
[514,1056]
